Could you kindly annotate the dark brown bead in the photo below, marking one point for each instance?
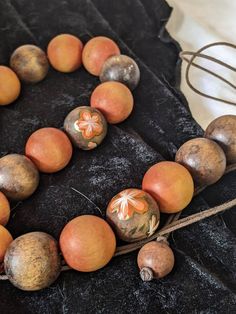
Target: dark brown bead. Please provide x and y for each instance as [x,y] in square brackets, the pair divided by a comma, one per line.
[30,63]
[32,261]
[19,177]
[121,68]
[223,131]
[204,159]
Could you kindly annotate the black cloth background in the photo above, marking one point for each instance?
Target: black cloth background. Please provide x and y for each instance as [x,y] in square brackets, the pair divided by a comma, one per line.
[203,279]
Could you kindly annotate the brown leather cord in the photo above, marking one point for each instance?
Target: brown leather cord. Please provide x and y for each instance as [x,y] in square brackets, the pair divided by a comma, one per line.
[191,62]
[173,223]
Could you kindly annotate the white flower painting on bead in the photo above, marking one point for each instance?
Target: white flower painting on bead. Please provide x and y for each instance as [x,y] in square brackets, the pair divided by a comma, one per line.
[127,202]
[89,124]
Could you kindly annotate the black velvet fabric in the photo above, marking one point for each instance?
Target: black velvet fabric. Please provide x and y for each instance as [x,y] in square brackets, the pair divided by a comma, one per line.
[203,279]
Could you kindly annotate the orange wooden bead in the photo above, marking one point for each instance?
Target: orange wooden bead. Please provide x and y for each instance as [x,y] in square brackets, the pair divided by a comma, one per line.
[96,52]
[170,184]
[5,240]
[50,149]
[65,53]
[4,209]
[9,86]
[114,100]
[87,243]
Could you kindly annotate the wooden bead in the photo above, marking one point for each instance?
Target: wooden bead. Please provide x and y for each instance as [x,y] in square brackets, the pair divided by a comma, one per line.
[65,53]
[30,63]
[50,149]
[204,159]
[19,177]
[223,131]
[86,127]
[114,100]
[155,260]
[32,261]
[4,209]
[87,243]
[170,184]
[9,86]
[5,241]
[133,214]
[96,51]
[121,68]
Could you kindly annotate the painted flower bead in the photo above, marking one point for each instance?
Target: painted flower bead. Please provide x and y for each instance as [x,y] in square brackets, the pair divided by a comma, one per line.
[134,214]
[86,127]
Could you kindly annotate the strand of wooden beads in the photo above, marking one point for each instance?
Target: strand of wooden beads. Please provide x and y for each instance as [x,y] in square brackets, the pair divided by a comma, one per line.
[49,149]
[134,214]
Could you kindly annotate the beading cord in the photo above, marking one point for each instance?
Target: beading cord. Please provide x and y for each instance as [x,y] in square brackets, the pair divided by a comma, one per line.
[173,223]
[191,62]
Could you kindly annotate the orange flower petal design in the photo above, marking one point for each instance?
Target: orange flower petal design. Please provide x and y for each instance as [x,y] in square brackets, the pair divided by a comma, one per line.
[126,212]
[96,117]
[140,205]
[88,132]
[85,115]
[97,128]
[127,202]
[89,124]
[82,125]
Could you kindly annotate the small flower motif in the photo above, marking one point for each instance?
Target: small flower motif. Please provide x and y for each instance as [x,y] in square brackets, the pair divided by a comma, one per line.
[153,224]
[127,202]
[92,145]
[89,123]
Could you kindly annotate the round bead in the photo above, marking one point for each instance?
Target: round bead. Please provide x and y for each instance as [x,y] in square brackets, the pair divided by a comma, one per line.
[223,131]
[4,209]
[204,159]
[133,214]
[158,257]
[30,63]
[87,243]
[114,100]
[19,177]
[96,52]
[5,241]
[65,53]
[121,68]
[9,86]
[32,261]
[50,149]
[170,184]
[86,127]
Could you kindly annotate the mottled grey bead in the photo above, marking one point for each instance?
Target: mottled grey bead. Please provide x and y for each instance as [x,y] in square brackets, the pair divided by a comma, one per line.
[19,177]
[121,68]
[30,63]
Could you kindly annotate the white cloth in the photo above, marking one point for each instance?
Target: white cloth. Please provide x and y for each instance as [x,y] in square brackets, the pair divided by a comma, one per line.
[195,23]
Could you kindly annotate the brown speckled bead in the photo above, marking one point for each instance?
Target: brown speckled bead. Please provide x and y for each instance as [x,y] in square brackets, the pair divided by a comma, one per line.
[223,131]
[86,127]
[30,63]
[158,257]
[204,159]
[133,214]
[19,177]
[32,261]
[121,68]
